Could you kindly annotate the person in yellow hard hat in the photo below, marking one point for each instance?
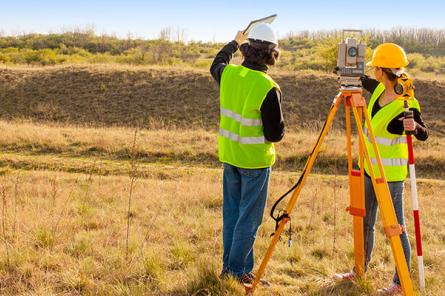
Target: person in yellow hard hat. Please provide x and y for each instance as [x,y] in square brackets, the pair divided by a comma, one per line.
[389,125]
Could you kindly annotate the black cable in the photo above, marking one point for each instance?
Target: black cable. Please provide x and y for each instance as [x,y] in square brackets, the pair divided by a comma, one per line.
[280,217]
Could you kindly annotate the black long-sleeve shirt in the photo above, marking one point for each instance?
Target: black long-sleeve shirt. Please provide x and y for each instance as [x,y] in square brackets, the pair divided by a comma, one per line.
[396,124]
[271,113]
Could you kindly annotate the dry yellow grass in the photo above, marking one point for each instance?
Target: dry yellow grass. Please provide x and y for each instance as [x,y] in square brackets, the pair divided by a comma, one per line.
[64,234]
[64,196]
[185,146]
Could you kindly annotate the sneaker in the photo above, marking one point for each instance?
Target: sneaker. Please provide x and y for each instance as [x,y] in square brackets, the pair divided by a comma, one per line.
[348,276]
[249,278]
[393,289]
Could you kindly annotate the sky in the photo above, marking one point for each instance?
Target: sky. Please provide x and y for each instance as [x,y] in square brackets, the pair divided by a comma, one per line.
[213,20]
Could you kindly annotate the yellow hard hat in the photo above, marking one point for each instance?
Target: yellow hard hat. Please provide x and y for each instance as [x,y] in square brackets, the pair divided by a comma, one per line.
[388,55]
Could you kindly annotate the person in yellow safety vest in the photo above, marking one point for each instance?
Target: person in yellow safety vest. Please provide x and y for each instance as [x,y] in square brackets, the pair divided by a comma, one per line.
[386,111]
[250,121]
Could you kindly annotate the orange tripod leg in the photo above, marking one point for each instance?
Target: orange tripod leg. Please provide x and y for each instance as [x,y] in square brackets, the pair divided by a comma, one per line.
[357,210]
[357,200]
[386,208]
[392,229]
[310,162]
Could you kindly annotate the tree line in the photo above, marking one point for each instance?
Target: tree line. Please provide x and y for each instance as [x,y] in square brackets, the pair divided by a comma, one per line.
[303,50]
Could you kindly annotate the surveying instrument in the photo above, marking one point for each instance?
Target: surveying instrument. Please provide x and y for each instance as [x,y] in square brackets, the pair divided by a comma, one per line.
[350,67]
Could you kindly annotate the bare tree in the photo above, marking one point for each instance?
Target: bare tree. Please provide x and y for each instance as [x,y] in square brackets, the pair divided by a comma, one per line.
[180,34]
[165,34]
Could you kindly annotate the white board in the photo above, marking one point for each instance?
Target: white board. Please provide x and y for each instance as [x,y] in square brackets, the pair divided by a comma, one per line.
[268,19]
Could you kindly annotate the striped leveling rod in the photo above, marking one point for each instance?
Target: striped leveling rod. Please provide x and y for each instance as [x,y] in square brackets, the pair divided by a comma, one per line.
[412,177]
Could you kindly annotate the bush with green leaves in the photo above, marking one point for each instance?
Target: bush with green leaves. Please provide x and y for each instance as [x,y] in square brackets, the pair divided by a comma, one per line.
[301,51]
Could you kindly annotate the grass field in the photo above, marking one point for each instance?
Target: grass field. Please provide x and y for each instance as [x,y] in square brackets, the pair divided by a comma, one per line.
[65,194]
[25,144]
[86,151]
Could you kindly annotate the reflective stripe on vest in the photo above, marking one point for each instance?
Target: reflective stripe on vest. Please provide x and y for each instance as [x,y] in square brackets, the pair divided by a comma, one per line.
[241,140]
[391,161]
[385,141]
[240,119]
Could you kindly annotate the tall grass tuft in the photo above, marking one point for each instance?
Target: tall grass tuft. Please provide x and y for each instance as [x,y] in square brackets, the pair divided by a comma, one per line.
[206,282]
[153,268]
[4,217]
[44,238]
[16,201]
[133,176]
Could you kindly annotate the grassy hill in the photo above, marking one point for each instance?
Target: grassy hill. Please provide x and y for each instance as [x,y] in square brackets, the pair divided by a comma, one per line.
[164,96]
[94,110]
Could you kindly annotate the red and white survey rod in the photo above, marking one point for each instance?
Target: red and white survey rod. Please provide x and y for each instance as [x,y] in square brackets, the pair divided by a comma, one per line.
[412,177]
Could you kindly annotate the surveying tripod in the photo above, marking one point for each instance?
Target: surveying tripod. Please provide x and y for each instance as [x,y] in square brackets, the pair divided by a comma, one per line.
[353,99]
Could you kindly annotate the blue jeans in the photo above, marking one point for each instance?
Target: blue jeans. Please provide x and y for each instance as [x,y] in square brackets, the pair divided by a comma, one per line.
[245,194]
[396,190]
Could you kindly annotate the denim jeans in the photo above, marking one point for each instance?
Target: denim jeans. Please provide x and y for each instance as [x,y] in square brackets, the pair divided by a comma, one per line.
[396,190]
[245,194]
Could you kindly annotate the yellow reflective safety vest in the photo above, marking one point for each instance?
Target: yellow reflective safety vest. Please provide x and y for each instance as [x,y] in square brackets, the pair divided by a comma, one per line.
[392,148]
[241,140]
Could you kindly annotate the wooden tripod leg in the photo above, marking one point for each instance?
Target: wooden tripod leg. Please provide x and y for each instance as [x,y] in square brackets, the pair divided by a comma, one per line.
[386,208]
[357,200]
[310,162]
